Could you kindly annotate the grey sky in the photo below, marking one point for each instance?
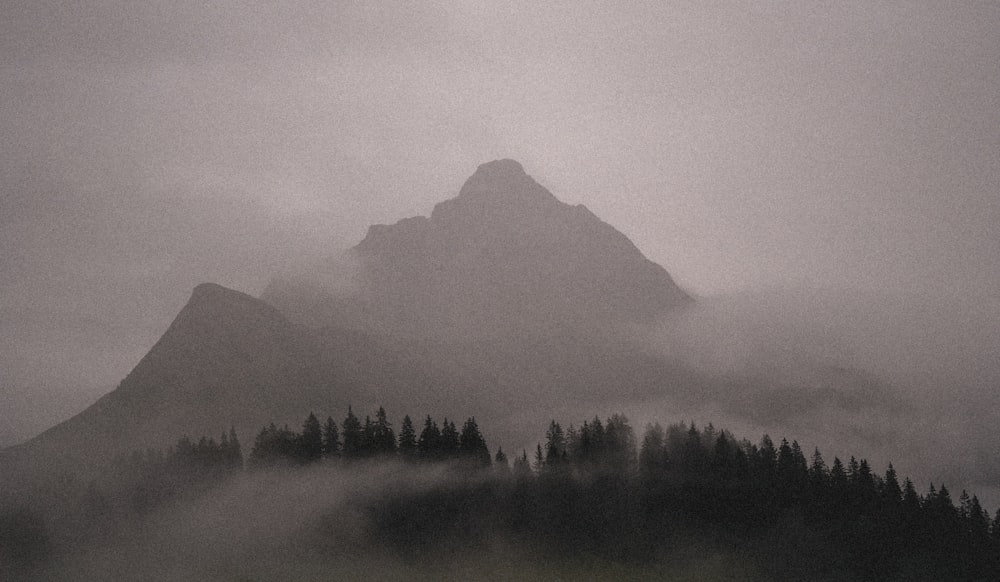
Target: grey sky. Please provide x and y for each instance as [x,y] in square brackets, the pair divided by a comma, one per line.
[150,146]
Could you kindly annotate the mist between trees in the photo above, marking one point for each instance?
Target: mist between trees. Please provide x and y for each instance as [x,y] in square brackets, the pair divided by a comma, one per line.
[591,500]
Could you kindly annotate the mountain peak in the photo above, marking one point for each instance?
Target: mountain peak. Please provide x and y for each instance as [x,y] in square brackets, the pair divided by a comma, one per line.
[502,178]
[503,258]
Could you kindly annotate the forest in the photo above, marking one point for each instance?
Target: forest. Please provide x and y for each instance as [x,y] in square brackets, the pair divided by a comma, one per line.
[592,492]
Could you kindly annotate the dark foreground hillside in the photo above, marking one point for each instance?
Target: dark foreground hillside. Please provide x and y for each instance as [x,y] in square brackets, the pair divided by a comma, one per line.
[361,498]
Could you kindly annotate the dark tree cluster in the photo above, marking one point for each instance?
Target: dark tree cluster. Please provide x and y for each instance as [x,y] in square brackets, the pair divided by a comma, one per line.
[595,490]
[371,438]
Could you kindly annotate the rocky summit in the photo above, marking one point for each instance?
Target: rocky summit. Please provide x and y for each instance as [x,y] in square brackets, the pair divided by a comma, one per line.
[503,258]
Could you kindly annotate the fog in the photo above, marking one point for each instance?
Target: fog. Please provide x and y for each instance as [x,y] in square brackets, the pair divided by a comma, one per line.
[316,524]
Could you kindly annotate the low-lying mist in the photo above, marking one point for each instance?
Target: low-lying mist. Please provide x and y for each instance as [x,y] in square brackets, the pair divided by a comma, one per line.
[328,522]
[910,380]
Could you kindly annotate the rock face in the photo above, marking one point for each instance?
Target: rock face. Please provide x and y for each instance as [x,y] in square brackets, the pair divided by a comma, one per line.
[504,258]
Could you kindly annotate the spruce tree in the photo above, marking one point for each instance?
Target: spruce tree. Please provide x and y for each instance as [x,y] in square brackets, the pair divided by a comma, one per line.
[383,437]
[352,436]
[407,439]
[331,438]
[891,491]
[449,440]
[311,440]
[472,445]
[501,459]
[429,444]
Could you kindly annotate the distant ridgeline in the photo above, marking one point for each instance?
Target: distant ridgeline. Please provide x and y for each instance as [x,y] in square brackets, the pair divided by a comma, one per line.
[589,490]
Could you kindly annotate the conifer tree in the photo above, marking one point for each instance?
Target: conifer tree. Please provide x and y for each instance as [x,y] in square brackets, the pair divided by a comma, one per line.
[429,444]
[407,439]
[367,437]
[911,499]
[501,459]
[891,491]
[818,474]
[311,440]
[555,444]
[522,468]
[838,477]
[383,438]
[353,437]
[449,440]
[331,438]
[472,445]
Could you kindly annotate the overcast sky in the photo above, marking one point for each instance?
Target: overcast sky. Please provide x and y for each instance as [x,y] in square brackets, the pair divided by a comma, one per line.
[150,146]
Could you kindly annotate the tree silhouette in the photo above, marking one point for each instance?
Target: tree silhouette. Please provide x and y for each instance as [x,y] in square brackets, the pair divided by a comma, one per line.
[311,440]
[407,439]
[353,436]
[331,438]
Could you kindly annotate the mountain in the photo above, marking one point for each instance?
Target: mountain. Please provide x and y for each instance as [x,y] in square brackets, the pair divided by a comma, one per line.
[505,303]
[503,259]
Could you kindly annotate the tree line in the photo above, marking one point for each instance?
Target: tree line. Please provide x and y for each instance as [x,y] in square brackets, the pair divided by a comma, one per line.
[372,438]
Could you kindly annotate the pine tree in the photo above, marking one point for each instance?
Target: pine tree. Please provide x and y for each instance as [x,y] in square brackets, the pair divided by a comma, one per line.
[449,440]
[501,460]
[311,440]
[911,499]
[429,444]
[522,468]
[353,437]
[555,444]
[891,491]
[472,445]
[539,458]
[818,474]
[383,438]
[407,439]
[331,438]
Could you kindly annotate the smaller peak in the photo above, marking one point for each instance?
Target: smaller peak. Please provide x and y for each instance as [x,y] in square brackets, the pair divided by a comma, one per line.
[213,294]
[205,290]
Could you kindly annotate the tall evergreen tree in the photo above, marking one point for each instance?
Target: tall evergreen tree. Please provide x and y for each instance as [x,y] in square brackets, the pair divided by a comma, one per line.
[501,459]
[472,445]
[331,438]
[429,444]
[310,440]
[819,476]
[407,439]
[449,440]
[353,437]
[383,437]
[539,458]
[891,492]
[522,468]
[555,444]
